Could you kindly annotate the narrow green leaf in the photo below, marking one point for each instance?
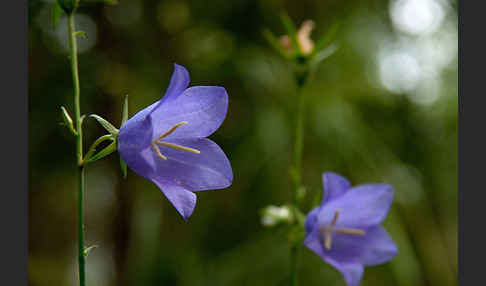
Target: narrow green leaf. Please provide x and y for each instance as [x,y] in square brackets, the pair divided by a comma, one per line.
[274,42]
[123,167]
[56,14]
[326,38]
[107,125]
[92,148]
[125,110]
[82,34]
[103,153]
[88,249]
[291,30]
[324,54]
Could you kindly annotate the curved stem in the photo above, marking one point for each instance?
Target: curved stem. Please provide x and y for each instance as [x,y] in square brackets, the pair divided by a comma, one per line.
[79,147]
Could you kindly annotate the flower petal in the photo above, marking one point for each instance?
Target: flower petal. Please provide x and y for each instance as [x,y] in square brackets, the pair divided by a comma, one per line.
[311,220]
[352,271]
[134,145]
[360,207]
[210,169]
[203,107]
[314,242]
[381,247]
[334,186]
[183,200]
[179,81]
[375,247]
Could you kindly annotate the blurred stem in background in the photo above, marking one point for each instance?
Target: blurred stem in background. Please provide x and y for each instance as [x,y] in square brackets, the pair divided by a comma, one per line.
[79,147]
[298,47]
[301,79]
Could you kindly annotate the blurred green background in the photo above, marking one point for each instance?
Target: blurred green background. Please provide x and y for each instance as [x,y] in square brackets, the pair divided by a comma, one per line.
[383,108]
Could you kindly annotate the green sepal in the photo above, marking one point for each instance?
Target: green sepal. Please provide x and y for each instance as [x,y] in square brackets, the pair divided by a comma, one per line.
[291,30]
[326,39]
[88,249]
[56,14]
[103,153]
[125,111]
[275,43]
[67,120]
[107,125]
[92,148]
[323,54]
[123,167]
[82,34]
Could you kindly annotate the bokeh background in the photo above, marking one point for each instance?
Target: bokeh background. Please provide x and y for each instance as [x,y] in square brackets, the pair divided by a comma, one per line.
[383,108]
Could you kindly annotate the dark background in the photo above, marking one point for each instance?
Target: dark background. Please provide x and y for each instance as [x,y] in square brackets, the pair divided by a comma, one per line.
[383,108]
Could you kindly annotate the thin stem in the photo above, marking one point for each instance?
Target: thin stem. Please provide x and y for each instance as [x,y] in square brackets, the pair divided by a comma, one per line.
[293,264]
[298,150]
[81,256]
[79,147]
[299,143]
[74,70]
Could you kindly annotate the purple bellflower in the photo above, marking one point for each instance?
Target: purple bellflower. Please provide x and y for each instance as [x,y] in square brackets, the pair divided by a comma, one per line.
[345,229]
[165,142]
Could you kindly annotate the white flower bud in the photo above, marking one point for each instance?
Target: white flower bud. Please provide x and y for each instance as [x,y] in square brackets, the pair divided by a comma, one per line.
[273,215]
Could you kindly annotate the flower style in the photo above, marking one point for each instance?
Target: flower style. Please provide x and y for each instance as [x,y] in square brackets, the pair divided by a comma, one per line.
[345,229]
[165,142]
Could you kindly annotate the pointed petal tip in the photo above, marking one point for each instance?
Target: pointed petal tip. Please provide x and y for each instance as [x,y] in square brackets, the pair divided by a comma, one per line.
[185,211]
[226,183]
[182,199]
[332,176]
[180,67]
[334,186]
[186,215]
[353,274]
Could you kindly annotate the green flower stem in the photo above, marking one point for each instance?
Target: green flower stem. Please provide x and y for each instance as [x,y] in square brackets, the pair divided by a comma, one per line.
[79,148]
[294,250]
[299,144]
[298,150]
[81,256]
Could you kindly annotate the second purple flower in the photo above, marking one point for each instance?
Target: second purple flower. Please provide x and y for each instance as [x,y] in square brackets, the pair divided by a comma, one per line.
[345,229]
[166,142]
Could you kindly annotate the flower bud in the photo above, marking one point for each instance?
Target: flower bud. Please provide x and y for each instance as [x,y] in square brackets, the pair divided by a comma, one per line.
[67,120]
[273,215]
[69,6]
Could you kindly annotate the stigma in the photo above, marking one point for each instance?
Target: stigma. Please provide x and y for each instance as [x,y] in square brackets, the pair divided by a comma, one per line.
[158,142]
[327,230]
